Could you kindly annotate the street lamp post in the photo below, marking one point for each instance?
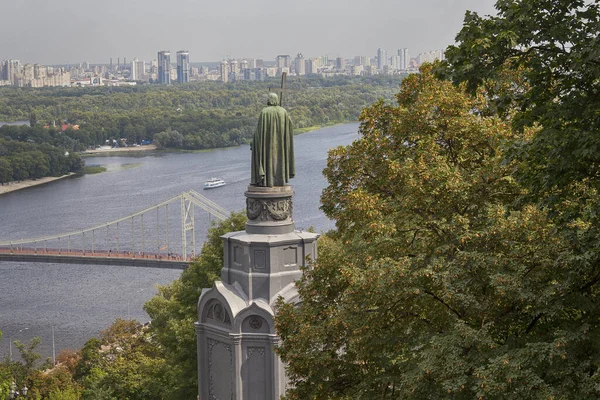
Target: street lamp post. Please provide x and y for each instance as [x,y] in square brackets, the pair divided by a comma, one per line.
[53,348]
[11,342]
[14,393]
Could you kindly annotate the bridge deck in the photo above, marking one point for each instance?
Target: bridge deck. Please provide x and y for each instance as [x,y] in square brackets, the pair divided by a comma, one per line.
[103,239]
[79,257]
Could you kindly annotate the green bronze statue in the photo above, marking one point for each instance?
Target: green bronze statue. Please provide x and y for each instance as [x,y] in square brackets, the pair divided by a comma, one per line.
[273,147]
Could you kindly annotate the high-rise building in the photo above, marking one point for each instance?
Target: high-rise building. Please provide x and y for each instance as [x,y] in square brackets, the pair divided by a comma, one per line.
[138,70]
[164,67]
[404,59]
[28,74]
[283,61]
[430,56]
[234,66]
[312,66]
[362,60]
[381,58]
[183,66]
[224,71]
[395,61]
[10,70]
[38,71]
[340,64]
[300,64]
[323,61]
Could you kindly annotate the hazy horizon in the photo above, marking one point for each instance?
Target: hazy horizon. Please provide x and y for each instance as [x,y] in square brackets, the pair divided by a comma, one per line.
[73,31]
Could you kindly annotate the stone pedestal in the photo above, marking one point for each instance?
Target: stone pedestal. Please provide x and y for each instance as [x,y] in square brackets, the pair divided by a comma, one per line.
[269,209]
[235,330]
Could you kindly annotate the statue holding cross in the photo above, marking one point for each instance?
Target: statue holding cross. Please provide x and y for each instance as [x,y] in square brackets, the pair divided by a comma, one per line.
[273,145]
[280,90]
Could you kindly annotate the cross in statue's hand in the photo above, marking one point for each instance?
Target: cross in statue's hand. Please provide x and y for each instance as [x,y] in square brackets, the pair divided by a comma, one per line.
[280,91]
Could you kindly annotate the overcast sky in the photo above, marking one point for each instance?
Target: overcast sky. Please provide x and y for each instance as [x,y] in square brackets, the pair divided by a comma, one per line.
[72,31]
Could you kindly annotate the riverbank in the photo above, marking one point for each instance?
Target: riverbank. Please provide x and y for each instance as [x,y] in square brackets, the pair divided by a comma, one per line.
[110,150]
[13,186]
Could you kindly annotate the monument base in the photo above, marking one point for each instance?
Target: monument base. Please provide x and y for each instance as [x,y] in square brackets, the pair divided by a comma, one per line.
[235,331]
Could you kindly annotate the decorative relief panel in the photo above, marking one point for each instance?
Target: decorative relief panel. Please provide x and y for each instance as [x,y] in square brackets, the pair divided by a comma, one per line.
[255,324]
[290,256]
[220,357]
[256,352]
[269,210]
[218,313]
[238,255]
[257,376]
[260,259]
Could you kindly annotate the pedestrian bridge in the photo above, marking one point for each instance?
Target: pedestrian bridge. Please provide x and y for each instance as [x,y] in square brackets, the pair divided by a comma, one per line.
[142,239]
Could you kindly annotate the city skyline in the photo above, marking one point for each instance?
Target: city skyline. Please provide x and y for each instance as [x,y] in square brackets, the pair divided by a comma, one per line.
[161,70]
[74,31]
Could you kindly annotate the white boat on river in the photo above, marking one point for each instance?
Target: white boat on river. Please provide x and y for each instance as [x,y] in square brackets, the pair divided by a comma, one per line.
[214,183]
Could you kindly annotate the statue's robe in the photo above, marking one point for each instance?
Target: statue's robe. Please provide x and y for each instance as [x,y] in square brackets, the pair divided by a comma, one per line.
[273,148]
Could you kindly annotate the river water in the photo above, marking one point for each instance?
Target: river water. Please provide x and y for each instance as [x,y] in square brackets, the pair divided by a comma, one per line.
[82,300]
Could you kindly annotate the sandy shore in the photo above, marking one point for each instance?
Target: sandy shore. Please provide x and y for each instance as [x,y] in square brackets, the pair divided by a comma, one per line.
[12,186]
[147,147]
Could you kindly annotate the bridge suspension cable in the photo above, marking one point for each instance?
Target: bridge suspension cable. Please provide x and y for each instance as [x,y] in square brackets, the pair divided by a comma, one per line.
[187,199]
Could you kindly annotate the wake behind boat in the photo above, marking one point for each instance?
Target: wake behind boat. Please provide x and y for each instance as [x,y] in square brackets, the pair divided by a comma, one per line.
[214,183]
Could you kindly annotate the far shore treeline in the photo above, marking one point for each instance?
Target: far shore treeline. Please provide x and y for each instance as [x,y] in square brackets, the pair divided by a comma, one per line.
[201,115]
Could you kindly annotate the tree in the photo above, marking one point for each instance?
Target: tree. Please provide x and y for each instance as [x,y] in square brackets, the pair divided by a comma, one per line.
[33,119]
[127,365]
[173,311]
[5,378]
[28,353]
[6,171]
[438,283]
[553,46]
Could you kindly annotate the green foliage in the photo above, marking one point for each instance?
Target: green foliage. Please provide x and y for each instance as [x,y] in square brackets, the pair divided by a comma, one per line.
[125,363]
[56,383]
[204,114]
[439,282]
[28,353]
[553,46]
[67,394]
[173,311]
[41,379]
[93,169]
[5,378]
[25,160]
